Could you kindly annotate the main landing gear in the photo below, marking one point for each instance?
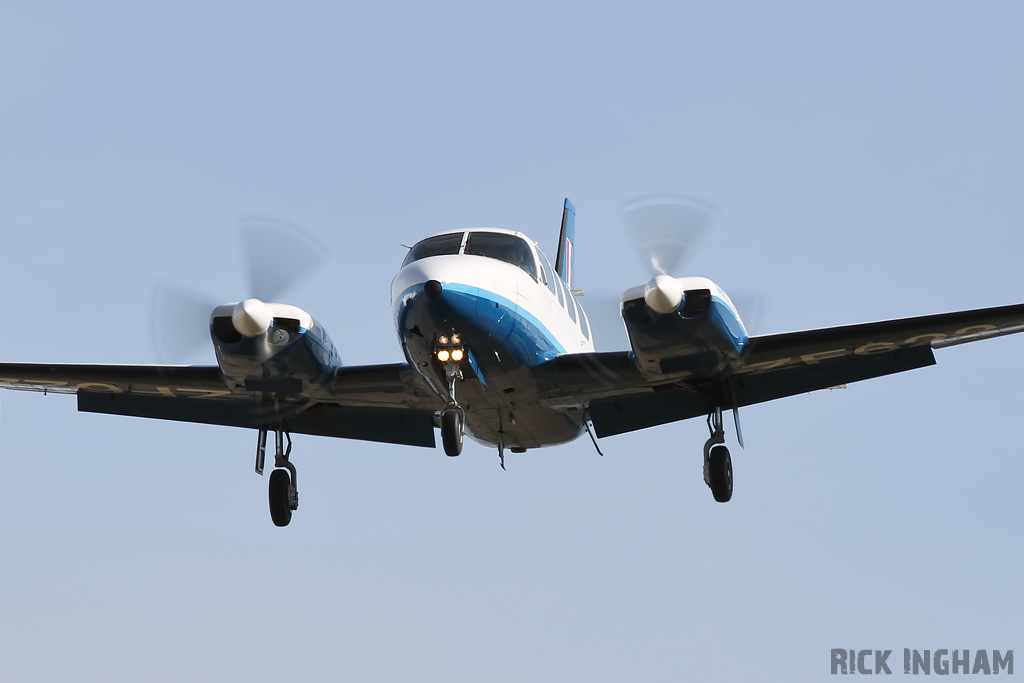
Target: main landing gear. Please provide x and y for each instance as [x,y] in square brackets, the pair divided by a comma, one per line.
[717,461]
[284,494]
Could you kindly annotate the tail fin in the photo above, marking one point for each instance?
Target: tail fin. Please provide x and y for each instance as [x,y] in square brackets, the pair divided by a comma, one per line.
[563,259]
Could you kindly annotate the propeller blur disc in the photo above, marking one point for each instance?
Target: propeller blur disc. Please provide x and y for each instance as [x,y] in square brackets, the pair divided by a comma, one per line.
[277,256]
[751,306]
[666,228]
[179,322]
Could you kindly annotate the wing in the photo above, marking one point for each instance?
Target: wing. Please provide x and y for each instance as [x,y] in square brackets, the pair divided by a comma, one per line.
[781,365]
[385,403]
[618,399]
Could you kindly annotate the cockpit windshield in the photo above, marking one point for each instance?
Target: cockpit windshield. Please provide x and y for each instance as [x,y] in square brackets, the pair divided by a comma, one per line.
[441,245]
[504,247]
[497,245]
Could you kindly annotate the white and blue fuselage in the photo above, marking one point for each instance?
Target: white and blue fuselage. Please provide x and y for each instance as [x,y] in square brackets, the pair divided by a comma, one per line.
[512,312]
[497,292]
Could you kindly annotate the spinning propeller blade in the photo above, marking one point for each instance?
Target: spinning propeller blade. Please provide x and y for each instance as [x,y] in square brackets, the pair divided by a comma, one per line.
[179,321]
[666,228]
[276,256]
[751,307]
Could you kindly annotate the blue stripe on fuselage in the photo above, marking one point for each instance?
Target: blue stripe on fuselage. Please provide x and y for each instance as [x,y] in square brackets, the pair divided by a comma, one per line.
[528,339]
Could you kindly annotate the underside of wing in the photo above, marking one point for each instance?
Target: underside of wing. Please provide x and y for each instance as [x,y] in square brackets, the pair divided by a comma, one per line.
[388,425]
[69,378]
[374,403]
[619,399]
[865,339]
[774,366]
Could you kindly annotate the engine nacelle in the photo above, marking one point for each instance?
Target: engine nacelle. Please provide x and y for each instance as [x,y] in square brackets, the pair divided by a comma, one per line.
[270,347]
[678,326]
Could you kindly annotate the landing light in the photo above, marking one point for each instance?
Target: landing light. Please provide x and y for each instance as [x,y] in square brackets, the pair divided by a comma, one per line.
[456,339]
[442,339]
[443,355]
[456,354]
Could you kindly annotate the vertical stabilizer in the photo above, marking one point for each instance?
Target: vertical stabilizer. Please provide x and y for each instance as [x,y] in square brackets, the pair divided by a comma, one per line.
[563,259]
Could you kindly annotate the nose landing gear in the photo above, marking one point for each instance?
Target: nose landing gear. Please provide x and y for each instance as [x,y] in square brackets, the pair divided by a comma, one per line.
[283,491]
[453,418]
[453,425]
[717,461]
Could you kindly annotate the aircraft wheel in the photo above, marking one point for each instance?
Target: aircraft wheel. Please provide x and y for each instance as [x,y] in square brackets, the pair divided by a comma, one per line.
[280,511]
[720,468]
[451,431]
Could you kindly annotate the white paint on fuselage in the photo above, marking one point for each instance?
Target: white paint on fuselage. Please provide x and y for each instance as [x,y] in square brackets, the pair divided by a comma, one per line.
[508,409]
[495,277]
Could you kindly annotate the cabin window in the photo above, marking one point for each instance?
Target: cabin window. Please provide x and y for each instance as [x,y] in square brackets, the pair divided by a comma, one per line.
[549,275]
[441,245]
[507,248]
[570,303]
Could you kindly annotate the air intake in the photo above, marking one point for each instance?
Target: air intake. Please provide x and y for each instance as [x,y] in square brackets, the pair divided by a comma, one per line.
[695,302]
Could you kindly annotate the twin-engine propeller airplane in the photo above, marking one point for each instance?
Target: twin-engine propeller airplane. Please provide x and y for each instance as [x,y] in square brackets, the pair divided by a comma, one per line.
[496,346]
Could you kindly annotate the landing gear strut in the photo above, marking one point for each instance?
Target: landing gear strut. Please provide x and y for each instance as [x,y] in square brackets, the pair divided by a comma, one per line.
[284,494]
[717,461]
[453,418]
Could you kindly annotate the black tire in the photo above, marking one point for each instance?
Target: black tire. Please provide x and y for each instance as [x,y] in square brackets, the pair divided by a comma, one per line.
[280,512]
[721,474]
[451,432]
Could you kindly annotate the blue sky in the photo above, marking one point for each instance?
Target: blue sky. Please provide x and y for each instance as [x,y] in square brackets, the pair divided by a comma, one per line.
[866,159]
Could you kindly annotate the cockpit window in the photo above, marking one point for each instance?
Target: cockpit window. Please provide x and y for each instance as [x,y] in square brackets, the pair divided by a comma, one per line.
[507,248]
[442,245]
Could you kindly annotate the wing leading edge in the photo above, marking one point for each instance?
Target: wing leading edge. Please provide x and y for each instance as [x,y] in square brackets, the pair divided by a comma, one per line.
[618,399]
[387,403]
[373,403]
